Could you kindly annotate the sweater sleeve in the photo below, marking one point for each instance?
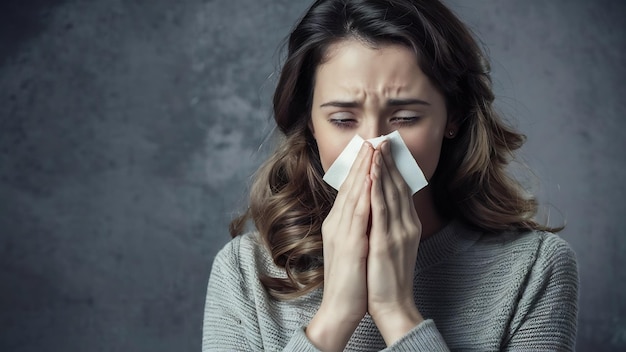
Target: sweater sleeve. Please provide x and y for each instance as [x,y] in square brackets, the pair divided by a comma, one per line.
[546,315]
[424,337]
[226,305]
[231,320]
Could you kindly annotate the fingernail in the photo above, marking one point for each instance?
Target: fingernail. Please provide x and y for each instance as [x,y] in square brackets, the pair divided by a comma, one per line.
[386,147]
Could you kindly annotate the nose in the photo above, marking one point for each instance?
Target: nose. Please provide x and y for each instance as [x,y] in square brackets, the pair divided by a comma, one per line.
[372,128]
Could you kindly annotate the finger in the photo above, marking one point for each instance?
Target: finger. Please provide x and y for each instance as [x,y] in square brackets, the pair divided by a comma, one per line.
[395,174]
[378,203]
[357,183]
[344,190]
[404,195]
[361,214]
[391,193]
[336,215]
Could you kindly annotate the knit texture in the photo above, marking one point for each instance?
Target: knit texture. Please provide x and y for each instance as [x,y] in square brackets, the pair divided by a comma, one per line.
[477,292]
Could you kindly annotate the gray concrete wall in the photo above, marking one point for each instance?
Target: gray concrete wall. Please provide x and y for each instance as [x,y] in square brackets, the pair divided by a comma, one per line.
[129,129]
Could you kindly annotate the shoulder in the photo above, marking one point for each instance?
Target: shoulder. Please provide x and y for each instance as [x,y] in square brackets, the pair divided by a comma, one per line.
[533,258]
[245,258]
[554,251]
[238,248]
[548,294]
[555,260]
[540,247]
[233,295]
[239,251]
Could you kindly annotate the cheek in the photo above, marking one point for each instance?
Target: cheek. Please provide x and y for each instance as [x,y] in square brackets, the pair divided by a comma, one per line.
[328,156]
[330,141]
[329,149]
[426,152]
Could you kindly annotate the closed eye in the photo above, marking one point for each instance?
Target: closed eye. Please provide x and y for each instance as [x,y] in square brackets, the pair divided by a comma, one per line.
[404,120]
[343,119]
[343,123]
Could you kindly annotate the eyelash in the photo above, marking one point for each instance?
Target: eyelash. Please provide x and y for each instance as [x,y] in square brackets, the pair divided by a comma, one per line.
[343,123]
[401,121]
[406,120]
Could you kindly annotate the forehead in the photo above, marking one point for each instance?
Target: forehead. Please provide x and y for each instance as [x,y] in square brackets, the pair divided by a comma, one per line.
[352,67]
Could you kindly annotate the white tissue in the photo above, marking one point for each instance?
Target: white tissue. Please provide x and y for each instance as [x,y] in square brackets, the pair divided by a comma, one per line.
[405,163]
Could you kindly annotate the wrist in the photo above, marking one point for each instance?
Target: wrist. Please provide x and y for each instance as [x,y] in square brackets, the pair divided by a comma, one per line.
[393,324]
[327,332]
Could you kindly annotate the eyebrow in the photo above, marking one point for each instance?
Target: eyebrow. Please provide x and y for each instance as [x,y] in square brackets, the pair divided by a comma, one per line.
[390,102]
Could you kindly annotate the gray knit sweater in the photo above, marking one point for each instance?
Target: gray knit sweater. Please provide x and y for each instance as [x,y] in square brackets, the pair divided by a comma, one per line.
[477,292]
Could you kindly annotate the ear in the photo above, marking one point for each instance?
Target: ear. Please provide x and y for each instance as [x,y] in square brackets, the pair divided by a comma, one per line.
[452,126]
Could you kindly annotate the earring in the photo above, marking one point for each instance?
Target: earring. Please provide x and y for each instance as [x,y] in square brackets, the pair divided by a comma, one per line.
[451,133]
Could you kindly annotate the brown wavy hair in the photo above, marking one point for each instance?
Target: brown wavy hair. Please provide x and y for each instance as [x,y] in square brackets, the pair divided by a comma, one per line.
[289,200]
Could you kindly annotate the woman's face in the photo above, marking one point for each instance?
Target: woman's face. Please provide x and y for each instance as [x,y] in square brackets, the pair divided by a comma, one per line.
[372,92]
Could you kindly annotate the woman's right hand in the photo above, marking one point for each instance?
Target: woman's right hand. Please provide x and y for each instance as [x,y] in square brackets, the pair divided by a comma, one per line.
[344,234]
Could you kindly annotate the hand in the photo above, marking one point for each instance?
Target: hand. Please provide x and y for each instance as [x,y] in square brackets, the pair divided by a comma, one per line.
[393,242]
[344,235]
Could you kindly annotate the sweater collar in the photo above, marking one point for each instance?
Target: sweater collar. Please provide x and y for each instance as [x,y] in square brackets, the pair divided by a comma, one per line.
[452,239]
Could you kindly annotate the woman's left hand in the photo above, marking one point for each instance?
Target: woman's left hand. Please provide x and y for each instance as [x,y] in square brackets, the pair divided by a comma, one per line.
[393,242]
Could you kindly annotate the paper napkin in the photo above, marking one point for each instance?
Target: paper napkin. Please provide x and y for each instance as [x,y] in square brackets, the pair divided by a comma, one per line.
[405,163]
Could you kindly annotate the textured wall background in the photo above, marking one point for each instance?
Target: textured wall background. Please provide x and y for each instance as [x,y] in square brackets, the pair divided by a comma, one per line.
[128,131]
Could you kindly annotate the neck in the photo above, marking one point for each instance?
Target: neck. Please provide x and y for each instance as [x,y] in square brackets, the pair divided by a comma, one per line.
[432,221]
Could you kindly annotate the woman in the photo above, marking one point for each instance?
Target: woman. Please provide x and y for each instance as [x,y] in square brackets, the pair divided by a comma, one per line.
[459,265]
